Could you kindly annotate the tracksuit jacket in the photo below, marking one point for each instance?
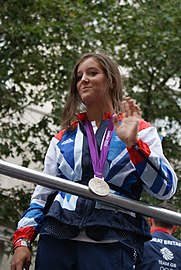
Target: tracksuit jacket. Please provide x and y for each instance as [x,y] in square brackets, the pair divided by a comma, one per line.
[163,252]
[126,171]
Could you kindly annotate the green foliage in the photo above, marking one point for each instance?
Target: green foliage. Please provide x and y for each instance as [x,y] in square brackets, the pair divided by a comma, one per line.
[13,202]
[40,41]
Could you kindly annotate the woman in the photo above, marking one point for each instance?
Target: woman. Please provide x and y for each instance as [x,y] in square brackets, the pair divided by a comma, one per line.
[100,148]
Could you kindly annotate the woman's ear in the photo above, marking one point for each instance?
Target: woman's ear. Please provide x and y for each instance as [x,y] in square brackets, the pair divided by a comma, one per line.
[111,86]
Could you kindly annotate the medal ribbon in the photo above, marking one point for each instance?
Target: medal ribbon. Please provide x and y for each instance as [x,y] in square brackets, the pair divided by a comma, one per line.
[98,162]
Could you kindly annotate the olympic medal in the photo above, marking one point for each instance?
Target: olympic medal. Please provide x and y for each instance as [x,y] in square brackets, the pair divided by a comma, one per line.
[98,186]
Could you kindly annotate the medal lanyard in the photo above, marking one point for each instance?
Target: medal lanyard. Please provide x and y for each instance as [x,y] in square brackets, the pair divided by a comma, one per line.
[98,162]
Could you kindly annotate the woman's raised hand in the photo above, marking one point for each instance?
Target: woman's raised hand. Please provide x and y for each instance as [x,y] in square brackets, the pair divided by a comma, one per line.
[128,130]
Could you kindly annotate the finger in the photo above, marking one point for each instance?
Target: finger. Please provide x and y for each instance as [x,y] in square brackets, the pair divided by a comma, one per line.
[27,266]
[116,121]
[131,103]
[137,111]
[126,98]
[134,107]
[126,109]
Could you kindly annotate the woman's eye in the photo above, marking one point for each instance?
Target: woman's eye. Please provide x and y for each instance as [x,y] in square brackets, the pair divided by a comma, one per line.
[93,73]
[79,77]
[90,73]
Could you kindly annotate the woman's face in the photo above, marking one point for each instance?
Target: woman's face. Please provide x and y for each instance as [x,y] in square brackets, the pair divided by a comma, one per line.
[91,82]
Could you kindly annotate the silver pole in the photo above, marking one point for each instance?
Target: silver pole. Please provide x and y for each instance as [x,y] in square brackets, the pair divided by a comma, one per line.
[39,178]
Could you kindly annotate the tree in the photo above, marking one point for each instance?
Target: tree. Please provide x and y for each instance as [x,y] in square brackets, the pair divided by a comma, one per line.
[40,41]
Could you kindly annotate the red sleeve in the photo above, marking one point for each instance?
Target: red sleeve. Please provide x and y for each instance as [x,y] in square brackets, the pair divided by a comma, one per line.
[27,232]
[135,156]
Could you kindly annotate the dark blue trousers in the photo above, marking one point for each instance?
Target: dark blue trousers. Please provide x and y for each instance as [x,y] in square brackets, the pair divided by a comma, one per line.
[55,254]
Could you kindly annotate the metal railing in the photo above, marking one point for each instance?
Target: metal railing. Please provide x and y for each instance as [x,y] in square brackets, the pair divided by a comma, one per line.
[32,176]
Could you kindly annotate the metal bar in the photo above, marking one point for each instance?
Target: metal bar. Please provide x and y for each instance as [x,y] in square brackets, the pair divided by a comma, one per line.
[32,176]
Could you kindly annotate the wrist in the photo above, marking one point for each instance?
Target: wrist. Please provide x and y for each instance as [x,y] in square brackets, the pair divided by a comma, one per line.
[22,242]
[133,144]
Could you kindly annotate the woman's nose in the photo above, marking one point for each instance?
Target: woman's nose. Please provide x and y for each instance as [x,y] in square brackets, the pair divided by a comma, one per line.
[84,78]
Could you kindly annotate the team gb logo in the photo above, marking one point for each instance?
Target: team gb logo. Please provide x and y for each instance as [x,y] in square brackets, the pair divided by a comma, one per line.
[167,254]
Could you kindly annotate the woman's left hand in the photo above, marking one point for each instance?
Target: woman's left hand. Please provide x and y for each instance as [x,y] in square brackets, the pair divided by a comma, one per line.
[128,130]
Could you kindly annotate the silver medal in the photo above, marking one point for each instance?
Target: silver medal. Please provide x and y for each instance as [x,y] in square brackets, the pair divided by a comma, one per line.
[98,186]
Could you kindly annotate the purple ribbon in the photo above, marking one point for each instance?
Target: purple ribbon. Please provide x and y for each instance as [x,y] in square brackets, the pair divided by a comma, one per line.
[98,162]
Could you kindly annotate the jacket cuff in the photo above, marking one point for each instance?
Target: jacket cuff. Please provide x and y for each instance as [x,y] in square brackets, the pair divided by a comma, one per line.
[139,152]
[22,242]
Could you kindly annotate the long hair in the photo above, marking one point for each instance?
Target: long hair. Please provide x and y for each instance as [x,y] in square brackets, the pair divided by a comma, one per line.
[114,86]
